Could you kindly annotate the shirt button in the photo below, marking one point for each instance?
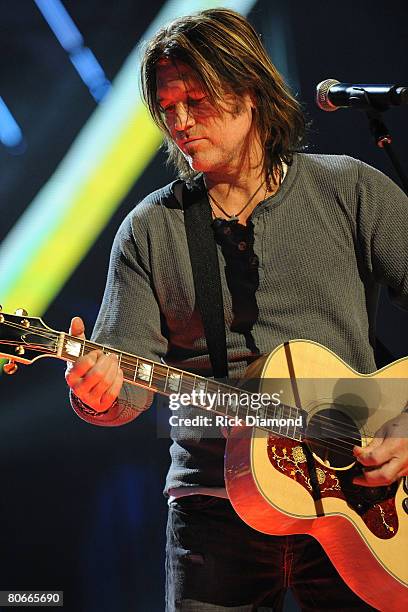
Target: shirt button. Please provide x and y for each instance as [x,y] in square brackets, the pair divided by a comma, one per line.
[227,231]
[242,246]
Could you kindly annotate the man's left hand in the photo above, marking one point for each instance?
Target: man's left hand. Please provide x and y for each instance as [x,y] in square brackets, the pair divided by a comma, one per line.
[385,459]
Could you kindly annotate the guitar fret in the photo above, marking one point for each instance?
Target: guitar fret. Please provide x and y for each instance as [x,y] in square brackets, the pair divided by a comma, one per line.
[189,387]
[144,372]
[219,407]
[73,347]
[279,415]
[289,426]
[292,427]
[181,382]
[201,390]
[167,378]
[234,405]
[174,381]
[214,388]
[299,435]
[283,431]
[160,377]
[193,380]
[60,344]
[285,427]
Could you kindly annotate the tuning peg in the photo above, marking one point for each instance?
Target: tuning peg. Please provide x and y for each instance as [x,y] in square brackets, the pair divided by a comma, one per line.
[10,367]
[20,312]
[20,350]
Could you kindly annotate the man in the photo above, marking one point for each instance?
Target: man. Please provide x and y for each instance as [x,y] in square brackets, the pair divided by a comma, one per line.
[303,241]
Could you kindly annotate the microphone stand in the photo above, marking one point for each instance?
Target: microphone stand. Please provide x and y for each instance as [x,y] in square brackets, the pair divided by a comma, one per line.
[383,139]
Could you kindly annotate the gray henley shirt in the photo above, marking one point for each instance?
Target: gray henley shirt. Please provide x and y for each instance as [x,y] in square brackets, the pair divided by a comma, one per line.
[321,246]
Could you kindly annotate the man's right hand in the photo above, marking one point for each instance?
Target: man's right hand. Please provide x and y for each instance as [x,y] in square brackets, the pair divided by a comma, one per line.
[95,378]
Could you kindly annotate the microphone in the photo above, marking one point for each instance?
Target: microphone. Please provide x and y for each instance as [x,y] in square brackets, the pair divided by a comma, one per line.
[332,95]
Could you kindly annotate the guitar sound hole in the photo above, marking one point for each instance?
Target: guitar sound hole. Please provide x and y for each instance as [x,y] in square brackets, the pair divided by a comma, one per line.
[331,435]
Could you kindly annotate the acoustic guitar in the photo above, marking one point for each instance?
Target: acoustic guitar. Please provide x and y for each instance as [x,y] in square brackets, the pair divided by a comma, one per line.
[292,471]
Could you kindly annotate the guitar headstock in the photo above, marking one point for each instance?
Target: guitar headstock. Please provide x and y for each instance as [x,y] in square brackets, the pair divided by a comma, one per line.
[25,339]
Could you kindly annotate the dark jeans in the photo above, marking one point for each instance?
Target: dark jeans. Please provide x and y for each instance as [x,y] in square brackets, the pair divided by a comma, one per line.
[215,562]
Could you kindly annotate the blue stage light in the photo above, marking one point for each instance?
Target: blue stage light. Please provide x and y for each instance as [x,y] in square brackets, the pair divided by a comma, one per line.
[71,39]
[10,133]
[61,23]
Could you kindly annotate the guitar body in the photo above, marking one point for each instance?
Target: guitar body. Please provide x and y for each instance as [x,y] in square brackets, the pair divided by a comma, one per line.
[280,486]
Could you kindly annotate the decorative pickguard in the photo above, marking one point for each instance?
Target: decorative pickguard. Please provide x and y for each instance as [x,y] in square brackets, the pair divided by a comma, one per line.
[293,459]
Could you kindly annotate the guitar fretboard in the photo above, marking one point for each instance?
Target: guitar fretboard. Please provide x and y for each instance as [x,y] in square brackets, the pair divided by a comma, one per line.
[233,403]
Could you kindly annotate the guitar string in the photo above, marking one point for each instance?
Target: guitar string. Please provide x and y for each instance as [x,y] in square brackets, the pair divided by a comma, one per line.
[329,443]
[267,412]
[191,384]
[131,364]
[51,336]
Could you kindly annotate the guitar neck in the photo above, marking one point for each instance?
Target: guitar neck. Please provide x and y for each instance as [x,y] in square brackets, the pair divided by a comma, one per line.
[25,339]
[191,389]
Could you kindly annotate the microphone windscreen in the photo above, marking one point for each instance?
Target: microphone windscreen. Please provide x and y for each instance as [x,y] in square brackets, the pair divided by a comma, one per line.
[322,95]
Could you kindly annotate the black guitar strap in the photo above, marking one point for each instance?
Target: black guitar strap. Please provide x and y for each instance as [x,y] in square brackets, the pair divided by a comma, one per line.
[206,273]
